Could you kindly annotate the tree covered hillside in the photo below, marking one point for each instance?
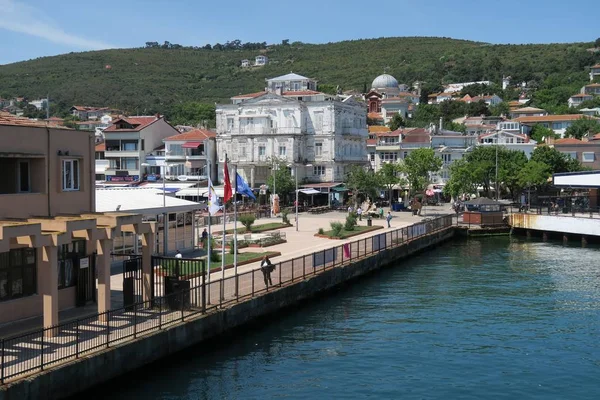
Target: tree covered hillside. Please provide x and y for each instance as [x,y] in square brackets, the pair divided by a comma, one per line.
[148,80]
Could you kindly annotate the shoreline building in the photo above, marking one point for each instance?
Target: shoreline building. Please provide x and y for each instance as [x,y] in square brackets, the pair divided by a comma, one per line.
[387,98]
[291,122]
[53,245]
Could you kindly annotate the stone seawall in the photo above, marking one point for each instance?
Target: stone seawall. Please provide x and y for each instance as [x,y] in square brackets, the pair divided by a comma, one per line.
[76,376]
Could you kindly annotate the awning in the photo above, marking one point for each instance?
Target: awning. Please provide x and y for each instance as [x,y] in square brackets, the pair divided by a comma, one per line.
[191,145]
[340,189]
[309,191]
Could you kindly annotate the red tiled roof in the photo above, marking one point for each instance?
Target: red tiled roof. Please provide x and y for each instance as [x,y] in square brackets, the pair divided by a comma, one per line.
[375,115]
[100,147]
[371,142]
[138,123]
[195,135]
[552,118]
[378,128]
[596,66]
[569,141]
[10,119]
[582,95]
[419,135]
[249,95]
[596,136]
[593,85]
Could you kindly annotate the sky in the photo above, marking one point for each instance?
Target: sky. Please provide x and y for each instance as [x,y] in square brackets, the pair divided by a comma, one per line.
[37,28]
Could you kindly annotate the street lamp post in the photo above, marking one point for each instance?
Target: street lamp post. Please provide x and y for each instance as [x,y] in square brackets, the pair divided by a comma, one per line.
[297,192]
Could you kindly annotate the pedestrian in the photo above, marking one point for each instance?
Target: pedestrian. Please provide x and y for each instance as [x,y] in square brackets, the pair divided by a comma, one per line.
[204,238]
[359,213]
[389,218]
[349,210]
[267,267]
[381,212]
[178,254]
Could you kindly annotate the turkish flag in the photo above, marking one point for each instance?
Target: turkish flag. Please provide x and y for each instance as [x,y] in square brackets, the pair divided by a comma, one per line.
[227,193]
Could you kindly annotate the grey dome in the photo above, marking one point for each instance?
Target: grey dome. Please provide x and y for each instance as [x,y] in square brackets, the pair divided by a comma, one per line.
[384,81]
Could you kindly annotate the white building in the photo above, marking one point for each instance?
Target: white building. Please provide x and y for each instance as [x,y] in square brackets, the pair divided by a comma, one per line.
[450,146]
[261,60]
[127,142]
[457,87]
[295,124]
[40,104]
[245,63]
[510,140]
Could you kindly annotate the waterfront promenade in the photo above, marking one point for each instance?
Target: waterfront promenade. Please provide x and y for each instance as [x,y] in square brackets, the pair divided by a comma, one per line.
[24,354]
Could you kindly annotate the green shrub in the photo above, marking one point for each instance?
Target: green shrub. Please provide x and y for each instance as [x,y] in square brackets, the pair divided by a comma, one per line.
[284,216]
[247,220]
[321,231]
[350,222]
[336,228]
[231,247]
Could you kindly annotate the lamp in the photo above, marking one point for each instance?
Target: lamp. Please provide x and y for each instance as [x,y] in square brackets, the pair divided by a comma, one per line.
[296,178]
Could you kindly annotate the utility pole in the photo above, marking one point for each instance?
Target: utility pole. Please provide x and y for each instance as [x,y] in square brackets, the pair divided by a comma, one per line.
[497,143]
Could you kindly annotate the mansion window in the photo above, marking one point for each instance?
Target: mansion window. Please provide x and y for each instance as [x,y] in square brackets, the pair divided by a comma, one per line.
[175,150]
[70,175]
[388,156]
[262,150]
[243,150]
[319,170]
[18,274]
[318,149]
[23,179]
[447,158]
[372,156]
[282,151]
[68,256]
[587,156]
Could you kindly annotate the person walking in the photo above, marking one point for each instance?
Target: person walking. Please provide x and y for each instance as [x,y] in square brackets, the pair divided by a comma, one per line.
[204,238]
[267,267]
[389,218]
[381,212]
[359,213]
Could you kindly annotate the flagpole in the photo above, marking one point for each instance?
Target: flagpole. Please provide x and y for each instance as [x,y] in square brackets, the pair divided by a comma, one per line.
[208,250]
[224,235]
[235,218]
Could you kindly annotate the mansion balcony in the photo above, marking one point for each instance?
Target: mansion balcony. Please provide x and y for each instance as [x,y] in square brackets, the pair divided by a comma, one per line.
[264,130]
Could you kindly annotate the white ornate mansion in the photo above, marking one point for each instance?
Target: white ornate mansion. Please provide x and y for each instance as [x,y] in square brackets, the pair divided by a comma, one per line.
[320,134]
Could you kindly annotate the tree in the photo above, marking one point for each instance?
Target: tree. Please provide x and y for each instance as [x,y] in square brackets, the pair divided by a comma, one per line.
[193,114]
[534,173]
[582,127]
[280,179]
[555,160]
[363,183]
[418,165]
[462,179]
[597,42]
[389,177]
[455,127]
[396,122]
[541,134]
[500,109]
[510,163]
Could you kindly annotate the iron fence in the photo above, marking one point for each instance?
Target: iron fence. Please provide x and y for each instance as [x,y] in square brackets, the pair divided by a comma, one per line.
[37,350]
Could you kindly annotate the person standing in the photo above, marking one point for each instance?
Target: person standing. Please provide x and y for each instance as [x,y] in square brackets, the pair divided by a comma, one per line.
[359,213]
[388,219]
[204,238]
[267,267]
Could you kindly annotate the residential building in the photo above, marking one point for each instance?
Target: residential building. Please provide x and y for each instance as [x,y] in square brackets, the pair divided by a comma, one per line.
[450,146]
[191,152]
[128,140]
[528,112]
[294,123]
[245,63]
[101,163]
[594,72]
[53,246]
[587,152]
[457,87]
[437,98]
[590,112]
[509,140]
[388,98]
[558,123]
[490,100]
[593,89]
[577,99]
[40,104]
[85,113]
[261,60]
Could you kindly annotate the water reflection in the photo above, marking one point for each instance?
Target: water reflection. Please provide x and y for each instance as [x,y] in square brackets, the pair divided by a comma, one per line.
[485,318]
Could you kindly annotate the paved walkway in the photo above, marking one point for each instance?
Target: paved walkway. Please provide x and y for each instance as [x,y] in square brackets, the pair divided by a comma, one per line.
[299,243]
[27,353]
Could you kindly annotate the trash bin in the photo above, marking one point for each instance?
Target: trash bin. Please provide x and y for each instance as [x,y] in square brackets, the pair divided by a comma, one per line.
[369,221]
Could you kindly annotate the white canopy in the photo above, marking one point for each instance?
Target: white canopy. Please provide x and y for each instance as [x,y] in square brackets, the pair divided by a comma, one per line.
[309,191]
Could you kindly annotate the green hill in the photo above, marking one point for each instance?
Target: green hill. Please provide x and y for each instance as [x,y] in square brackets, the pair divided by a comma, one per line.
[147,80]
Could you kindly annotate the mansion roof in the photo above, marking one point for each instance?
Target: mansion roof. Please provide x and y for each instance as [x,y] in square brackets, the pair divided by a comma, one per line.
[196,134]
[135,124]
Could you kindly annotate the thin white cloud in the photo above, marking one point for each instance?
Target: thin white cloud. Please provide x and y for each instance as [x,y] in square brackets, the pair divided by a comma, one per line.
[18,17]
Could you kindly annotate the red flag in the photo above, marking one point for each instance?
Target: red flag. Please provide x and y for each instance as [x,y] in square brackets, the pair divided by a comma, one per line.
[227,193]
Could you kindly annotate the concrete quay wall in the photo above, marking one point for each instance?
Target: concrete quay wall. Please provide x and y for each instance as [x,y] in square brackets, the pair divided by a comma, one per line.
[556,223]
[76,376]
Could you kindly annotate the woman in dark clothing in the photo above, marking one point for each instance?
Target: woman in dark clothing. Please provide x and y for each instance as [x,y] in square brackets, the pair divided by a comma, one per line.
[267,267]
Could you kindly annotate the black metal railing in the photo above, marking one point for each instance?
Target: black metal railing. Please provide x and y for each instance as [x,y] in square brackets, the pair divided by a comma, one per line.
[34,351]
